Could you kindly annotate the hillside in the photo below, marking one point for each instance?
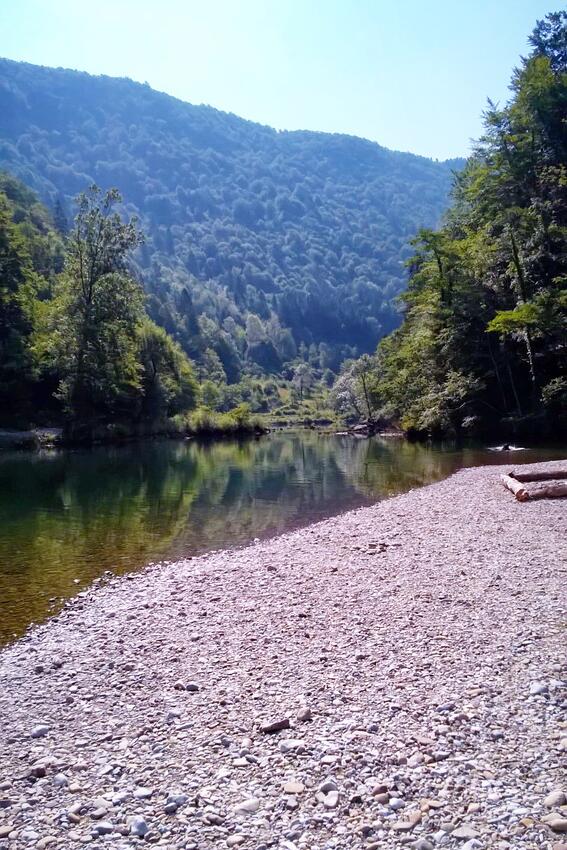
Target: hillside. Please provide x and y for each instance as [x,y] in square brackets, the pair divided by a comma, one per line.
[258,243]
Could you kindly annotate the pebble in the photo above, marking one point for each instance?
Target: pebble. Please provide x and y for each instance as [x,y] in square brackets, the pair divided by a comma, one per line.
[248,806]
[555,799]
[105,827]
[464,831]
[272,726]
[40,731]
[404,681]
[294,788]
[290,744]
[138,826]
[304,714]
[331,799]
[143,793]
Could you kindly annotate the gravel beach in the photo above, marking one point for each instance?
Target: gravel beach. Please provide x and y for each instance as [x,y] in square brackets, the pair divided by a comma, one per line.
[395,676]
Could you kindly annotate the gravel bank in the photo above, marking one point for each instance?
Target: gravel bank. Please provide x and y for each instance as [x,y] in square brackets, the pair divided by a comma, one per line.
[414,653]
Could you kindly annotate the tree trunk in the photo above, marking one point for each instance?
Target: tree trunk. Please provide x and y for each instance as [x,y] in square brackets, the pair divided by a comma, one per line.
[524,297]
[556,490]
[539,476]
[497,373]
[513,385]
[515,487]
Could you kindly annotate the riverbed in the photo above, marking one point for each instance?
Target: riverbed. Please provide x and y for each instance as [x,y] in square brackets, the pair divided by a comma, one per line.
[69,517]
[395,674]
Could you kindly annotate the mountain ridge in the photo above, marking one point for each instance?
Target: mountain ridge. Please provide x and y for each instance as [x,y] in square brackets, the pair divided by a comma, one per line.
[260,243]
[207,106]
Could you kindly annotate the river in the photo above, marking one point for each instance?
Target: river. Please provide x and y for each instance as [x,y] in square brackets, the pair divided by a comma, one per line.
[67,517]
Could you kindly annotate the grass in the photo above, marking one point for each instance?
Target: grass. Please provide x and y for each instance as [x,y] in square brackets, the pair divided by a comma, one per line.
[206,422]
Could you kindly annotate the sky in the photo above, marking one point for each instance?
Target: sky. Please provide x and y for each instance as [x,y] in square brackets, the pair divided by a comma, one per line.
[413,75]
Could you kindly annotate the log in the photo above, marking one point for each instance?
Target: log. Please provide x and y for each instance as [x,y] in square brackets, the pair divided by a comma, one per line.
[549,491]
[539,476]
[516,487]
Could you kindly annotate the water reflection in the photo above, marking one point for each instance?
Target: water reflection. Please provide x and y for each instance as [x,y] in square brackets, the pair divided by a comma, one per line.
[67,517]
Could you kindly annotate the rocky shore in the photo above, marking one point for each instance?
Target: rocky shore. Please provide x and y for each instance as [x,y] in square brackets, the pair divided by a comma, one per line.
[392,677]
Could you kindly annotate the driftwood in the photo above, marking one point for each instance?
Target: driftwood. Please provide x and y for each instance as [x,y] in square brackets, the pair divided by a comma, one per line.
[516,487]
[555,489]
[549,491]
[539,476]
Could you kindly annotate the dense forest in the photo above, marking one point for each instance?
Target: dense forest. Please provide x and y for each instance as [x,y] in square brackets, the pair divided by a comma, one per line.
[484,337]
[261,247]
[76,344]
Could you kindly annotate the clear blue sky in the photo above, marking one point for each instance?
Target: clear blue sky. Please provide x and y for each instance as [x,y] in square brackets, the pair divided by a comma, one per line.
[411,74]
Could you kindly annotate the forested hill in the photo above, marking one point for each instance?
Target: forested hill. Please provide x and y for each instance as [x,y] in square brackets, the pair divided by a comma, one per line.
[284,240]
[483,345]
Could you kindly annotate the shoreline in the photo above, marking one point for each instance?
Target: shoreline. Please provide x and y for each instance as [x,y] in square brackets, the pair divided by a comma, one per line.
[400,643]
[39,439]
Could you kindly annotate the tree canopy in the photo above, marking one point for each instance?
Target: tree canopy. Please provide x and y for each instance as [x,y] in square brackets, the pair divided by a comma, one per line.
[76,344]
[484,337]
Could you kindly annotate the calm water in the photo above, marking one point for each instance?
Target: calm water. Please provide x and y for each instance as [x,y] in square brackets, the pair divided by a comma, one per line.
[66,517]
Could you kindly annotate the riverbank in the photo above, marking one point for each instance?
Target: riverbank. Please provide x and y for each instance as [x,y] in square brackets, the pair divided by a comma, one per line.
[205,427]
[415,650]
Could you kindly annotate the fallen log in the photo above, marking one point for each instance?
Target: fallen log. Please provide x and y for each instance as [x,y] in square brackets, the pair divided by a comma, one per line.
[549,491]
[539,476]
[516,487]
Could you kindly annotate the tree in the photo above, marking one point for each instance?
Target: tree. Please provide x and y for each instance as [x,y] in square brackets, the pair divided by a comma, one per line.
[255,332]
[59,218]
[302,379]
[353,391]
[97,312]
[16,294]
[549,39]
[484,336]
[212,367]
[31,256]
[210,394]
[168,385]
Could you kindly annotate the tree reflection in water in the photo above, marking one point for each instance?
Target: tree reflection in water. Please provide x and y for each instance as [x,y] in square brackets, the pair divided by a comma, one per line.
[72,515]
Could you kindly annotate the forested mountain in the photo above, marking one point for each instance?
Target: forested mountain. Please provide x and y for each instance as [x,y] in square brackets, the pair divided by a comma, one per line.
[260,245]
[484,338]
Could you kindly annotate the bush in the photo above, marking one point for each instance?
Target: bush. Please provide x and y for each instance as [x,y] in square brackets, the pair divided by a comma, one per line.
[206,422]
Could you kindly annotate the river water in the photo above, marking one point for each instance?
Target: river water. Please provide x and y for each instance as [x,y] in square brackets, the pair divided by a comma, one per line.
[66,517]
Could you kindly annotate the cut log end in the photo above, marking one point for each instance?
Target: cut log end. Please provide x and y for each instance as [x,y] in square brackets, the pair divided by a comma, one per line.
[516,487]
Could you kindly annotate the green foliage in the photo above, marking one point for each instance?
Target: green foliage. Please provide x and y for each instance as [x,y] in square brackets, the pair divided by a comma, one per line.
[30,257]
[96,312]
[207,422]
[354,392]
[168,383]
[75,342]
[258,241]
[484,336]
